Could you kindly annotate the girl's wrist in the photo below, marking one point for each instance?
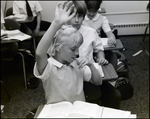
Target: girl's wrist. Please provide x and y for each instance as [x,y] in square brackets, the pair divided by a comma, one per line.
[57,22]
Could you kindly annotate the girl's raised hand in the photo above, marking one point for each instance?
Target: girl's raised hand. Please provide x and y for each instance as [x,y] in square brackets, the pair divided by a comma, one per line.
[65,11]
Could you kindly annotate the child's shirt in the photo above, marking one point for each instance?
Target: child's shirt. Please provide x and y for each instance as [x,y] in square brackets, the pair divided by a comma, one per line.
[63,83]
[19,7]
[97,23]
[91,42]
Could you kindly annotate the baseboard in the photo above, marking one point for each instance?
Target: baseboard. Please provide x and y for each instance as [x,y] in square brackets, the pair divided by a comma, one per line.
[131,28]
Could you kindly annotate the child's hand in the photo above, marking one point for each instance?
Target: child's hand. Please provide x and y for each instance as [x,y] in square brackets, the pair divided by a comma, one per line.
[82,61]
[64,12]
[102,61]
[111,41]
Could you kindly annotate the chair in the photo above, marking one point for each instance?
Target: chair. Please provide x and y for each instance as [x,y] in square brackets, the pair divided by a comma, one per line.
[9,11]
[115,31]
[11,24]
[143,40]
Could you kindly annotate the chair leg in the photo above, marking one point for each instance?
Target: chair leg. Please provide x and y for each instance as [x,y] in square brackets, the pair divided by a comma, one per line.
[34,45]
[6,89]
[24,70]
[143,40]
[145,33]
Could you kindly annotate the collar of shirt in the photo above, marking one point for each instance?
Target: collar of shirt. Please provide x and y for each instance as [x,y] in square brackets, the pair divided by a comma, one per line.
[94,19]
[59,64]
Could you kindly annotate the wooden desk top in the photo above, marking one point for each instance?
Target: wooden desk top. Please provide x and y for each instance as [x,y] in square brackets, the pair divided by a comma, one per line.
[9,41]
[109,72]
[118,46]
[29,19]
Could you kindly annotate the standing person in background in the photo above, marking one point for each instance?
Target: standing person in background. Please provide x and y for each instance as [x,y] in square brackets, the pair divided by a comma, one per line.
[33,28]
[31,8]
[99,22]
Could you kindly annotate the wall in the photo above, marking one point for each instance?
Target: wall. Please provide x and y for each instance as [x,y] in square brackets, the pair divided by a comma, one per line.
[117,12]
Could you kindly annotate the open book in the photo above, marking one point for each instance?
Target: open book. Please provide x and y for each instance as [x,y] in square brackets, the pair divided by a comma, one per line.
[105,43]
[81,109]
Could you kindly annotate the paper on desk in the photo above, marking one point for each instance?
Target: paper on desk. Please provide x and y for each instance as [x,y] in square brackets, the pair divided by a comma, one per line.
[19,37]
[15,34]
[99,68]
[105,42]
[17,17]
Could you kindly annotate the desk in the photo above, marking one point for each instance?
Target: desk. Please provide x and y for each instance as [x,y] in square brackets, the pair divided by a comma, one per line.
[9,41]
[20,19]
[14,36]
[118,46]
[109,72]
[101,10]
[29,19]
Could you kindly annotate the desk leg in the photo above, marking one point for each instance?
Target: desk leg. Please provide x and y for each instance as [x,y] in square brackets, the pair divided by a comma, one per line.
[24,70]
[34,45]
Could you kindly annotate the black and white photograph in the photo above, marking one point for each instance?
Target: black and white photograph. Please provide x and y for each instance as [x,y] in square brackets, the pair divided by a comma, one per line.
[74,59]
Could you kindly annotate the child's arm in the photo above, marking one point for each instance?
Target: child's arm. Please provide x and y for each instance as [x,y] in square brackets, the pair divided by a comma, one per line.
[101,58]
[39,17]
[95,76]
[111,38]
[62,16]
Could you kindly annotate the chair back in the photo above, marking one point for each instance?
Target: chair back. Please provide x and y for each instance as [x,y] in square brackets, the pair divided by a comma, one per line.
[11,24]
[9,11]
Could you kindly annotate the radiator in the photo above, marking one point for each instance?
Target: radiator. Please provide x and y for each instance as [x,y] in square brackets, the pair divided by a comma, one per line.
[131,28]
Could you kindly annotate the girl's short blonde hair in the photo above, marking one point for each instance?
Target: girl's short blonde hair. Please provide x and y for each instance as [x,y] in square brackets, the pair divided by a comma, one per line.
[66,35]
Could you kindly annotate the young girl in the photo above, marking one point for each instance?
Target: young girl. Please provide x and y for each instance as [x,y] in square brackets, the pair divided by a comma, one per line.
[63,74]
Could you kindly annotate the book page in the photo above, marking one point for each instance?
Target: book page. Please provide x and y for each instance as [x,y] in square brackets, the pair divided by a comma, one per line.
[132,116]
[115,113]
[85,110]
[57,110]
[105,42]
[99,68]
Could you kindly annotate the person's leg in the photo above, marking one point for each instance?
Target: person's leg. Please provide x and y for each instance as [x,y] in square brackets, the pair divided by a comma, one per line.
[112,58]
[92,92]
[110,95]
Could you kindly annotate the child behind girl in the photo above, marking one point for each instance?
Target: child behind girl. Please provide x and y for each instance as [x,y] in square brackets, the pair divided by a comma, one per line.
[63,74]
[98,22]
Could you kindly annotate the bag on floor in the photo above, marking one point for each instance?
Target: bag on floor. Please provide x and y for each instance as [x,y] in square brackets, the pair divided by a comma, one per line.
[122,65]
[125,88]
[123,83]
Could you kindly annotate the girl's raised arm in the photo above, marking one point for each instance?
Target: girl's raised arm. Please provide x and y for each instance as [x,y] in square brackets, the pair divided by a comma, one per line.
[63,14]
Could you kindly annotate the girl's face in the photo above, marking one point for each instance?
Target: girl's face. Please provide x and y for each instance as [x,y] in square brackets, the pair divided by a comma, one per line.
[76,21]
[69,53]
[91,14]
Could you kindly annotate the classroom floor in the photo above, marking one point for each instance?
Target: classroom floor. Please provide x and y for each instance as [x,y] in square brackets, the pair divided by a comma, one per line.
[25,100]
